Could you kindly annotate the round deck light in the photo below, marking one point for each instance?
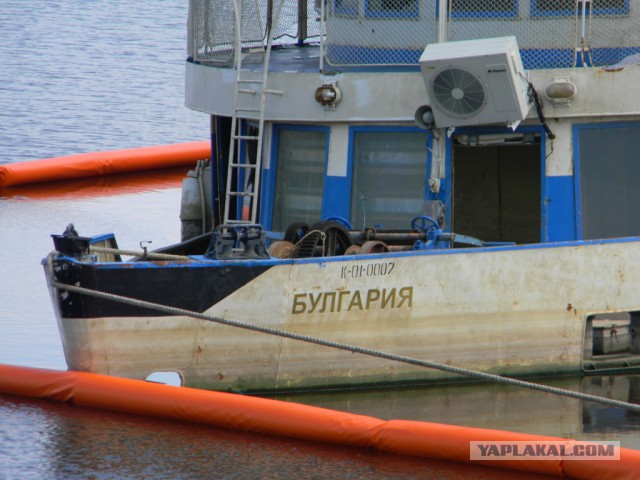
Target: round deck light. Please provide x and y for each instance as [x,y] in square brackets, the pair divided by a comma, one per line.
[560,91]
[327,95]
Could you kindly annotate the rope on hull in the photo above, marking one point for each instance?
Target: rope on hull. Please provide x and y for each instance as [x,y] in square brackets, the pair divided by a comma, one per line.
[351,348]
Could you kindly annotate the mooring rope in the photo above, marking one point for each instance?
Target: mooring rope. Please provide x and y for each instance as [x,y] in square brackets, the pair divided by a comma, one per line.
[150,255]
[351,348]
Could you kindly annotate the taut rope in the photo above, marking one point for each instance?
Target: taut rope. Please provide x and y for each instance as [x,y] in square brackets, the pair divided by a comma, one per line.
[351,348]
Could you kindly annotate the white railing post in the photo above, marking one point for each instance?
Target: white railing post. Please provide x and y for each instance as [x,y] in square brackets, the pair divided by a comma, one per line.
[442,20]
[323,36]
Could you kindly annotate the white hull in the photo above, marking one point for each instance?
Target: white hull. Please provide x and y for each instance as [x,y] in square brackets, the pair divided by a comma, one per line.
[509,310]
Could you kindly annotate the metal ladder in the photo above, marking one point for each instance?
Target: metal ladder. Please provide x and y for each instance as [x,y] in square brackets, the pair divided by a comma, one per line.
[238,167]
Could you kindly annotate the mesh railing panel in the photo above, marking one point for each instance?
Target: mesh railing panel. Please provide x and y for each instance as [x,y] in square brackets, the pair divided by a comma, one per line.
[288,22]
[213,30]
[396,31]
[210,41]
[374,32]
[612,32]
[545,29]
[550,33]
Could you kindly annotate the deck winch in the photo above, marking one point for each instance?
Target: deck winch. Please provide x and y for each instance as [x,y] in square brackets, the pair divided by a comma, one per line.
[334,237]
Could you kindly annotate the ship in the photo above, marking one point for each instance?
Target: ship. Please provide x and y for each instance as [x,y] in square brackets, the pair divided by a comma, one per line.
[447,181]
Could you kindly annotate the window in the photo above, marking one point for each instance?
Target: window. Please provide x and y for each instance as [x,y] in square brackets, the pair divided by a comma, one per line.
[346,7]
[301,155]
[553,7]
[391,8]
[483,8]
[608,172]
[569,7]
[389,174]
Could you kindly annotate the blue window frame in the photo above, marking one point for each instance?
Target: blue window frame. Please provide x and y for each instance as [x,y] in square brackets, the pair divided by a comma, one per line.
[481,8]
[293,186]
[551,8]
[388,167]
[391,8]
[607,175]
[346,7]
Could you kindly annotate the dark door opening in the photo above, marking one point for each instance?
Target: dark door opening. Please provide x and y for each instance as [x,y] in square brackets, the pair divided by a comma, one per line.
[496,192]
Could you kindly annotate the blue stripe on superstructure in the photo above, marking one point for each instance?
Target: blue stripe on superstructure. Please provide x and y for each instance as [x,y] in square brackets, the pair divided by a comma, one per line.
[268,184]
[532,58]
[560,209]
[337,199]
[610,56]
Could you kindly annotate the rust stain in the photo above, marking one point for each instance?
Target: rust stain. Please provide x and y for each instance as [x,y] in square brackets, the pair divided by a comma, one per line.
[569,307]
[158,263]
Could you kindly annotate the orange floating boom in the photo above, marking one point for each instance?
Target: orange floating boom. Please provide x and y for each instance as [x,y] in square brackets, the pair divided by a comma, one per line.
[103,163]
[252,414]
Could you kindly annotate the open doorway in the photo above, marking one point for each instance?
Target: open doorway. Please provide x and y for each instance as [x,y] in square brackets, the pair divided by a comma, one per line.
[496,190]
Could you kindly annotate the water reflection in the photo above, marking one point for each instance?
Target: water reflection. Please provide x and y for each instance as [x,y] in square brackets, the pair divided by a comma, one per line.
[50,440]
[600,420]
[155,180]
[505,408]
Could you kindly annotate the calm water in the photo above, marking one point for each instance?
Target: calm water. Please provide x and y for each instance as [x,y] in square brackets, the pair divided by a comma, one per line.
[85,75]
[79,76]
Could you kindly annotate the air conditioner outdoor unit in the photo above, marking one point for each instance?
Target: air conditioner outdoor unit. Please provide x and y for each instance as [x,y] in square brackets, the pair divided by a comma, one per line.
[476,82]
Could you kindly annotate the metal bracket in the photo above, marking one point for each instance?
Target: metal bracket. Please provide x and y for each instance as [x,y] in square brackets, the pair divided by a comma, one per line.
[237,241]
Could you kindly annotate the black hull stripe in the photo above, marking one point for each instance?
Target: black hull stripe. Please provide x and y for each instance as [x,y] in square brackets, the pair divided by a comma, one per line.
[195,289]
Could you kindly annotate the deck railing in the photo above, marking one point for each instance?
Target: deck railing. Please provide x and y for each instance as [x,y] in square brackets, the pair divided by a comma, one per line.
[550,33]
[212,32]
